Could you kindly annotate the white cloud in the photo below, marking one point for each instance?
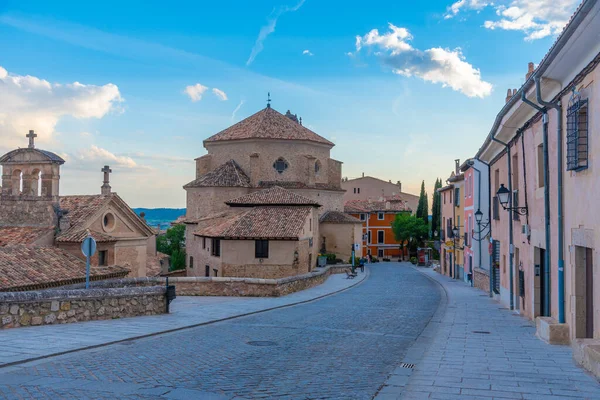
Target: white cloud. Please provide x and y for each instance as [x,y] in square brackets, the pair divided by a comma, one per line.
[270,28]
[28,102]
[307,53]
[237,109]
[97,156]
[195,91]
[455,8]
[535,18]
[220,94]
[436,65]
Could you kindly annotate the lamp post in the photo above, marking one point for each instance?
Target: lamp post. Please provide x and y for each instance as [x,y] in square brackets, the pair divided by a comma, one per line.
[504,197]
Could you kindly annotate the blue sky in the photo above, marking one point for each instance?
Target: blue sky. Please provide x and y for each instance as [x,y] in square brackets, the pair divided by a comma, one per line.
[400,103]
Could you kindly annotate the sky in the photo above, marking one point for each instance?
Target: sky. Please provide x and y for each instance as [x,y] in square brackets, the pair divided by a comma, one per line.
[401,87]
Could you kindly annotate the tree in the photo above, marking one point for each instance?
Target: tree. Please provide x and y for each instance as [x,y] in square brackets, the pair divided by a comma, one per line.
[173,244]
[423,206]
[435,207]
[410,229]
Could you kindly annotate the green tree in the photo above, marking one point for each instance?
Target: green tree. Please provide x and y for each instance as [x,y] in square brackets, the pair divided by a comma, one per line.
[173,244]
[410,229]
[435,208]
[423,206]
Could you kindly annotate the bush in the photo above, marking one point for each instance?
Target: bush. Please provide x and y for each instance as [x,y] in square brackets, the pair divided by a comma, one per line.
[386,259]
[356,261]
[413,260]
[330,258]
[374,260]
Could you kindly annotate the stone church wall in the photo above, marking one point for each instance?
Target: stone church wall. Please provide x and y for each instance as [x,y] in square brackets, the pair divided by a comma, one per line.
[27,211]
[208,200]
[340,237]
[50,307]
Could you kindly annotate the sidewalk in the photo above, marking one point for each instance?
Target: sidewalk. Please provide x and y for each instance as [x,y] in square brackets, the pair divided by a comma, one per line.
[27,344]
[473,348]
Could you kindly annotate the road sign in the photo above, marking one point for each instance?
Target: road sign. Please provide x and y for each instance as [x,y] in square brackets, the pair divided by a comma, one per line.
[88,248]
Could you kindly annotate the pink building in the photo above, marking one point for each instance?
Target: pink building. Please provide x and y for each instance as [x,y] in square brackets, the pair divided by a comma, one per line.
[539,155]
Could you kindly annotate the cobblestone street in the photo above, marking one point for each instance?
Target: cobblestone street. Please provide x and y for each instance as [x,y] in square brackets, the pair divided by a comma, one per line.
[344,346]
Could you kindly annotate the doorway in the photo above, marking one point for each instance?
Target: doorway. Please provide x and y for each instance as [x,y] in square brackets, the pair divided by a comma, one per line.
[541,284]
[584,292]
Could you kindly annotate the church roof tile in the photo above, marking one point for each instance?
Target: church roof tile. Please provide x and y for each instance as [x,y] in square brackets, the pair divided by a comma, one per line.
[268,124]
[13,235]
[337,217]
[275,196]
[229,174]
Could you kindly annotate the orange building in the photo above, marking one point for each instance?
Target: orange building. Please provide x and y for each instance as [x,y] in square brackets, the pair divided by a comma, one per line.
[377,218]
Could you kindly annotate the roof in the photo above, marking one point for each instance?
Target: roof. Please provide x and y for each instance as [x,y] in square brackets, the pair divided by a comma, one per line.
[77,236]
[387,205]
[82,207]
[456,178]
[22,235]
[229,174]
[299,185]
[337,217]
[48,156]
[275,196]
[268,124]
[277,223]
[443,189]
[31,268]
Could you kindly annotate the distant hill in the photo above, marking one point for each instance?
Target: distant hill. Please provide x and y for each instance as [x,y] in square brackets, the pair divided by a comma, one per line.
[160,217]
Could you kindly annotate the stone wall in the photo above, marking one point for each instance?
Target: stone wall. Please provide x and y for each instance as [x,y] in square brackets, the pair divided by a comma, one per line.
[48,307]
[217,286]
[481,279]
[27,211]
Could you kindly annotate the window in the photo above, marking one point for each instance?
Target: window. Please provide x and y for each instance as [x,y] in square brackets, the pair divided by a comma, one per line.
[317,167]
[261,249]
[362,217]
[369,237]
[515,172]
[451,197]
[380,253]
[207,271]
[215,272]
[203,242]
[216,248]
[515,204]
[496,180]
[380,216]
[449,227]
[103,257]
[108,222]
[540,165]
[280,165]
[496,208]
[191,262]
[358,190]
[310,225]
[354,190]
[380,237]
[444,197]
[457,196]
[577,134]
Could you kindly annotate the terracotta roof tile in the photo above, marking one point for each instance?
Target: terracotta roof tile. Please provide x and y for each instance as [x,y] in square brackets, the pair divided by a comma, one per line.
[30,268]
[275,196]
[361,206]
[77,236]
[259,223]
[229,174]
[337,217]
[268,124]
[22,235]
[82,207]
[298,185]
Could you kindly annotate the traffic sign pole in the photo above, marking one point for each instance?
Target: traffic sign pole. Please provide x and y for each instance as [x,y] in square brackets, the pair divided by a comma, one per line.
[88,248]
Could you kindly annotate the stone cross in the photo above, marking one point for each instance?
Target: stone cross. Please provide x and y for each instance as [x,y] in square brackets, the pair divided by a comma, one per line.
[105,189]
[31,135]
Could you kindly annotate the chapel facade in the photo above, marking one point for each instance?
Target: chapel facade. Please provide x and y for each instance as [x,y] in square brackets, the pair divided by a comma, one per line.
[267,167]
[33,215]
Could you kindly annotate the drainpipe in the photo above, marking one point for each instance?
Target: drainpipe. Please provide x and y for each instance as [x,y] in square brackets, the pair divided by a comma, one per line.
[561,262]
[510,223]
[489,223]
[546,202]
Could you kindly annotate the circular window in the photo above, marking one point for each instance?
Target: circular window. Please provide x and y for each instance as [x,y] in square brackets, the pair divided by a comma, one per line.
[280,165]
[108,222]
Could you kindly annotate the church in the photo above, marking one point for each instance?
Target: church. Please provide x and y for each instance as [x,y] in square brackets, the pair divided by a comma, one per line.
[41,231]
[267,199]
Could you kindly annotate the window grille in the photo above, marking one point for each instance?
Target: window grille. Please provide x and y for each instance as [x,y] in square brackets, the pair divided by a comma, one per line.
[280,165]
[577,133]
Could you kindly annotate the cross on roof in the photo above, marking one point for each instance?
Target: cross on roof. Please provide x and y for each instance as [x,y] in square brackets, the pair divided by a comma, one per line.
[106,171]
[31,135]
[269,100]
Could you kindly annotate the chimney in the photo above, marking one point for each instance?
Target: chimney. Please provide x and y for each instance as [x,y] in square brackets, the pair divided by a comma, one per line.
[457,166]
[399,186]
[509,94]
[514,92]
[530,69]
[105,188]
[143,216]
[363,175]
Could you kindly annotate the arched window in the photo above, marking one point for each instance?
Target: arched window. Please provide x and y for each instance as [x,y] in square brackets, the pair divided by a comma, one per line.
[280,165]
[17,182]
[317,167]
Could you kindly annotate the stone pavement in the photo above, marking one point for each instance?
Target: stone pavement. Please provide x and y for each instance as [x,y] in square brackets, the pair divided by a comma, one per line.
[26,344]
[473,348]
[339,347]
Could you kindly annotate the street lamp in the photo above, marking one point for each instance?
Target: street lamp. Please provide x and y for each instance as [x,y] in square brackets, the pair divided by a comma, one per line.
[456,231]
[504,196]
[478,216]
[480,228]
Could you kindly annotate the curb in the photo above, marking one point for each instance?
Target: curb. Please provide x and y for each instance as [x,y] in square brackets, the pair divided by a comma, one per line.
[28,360]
